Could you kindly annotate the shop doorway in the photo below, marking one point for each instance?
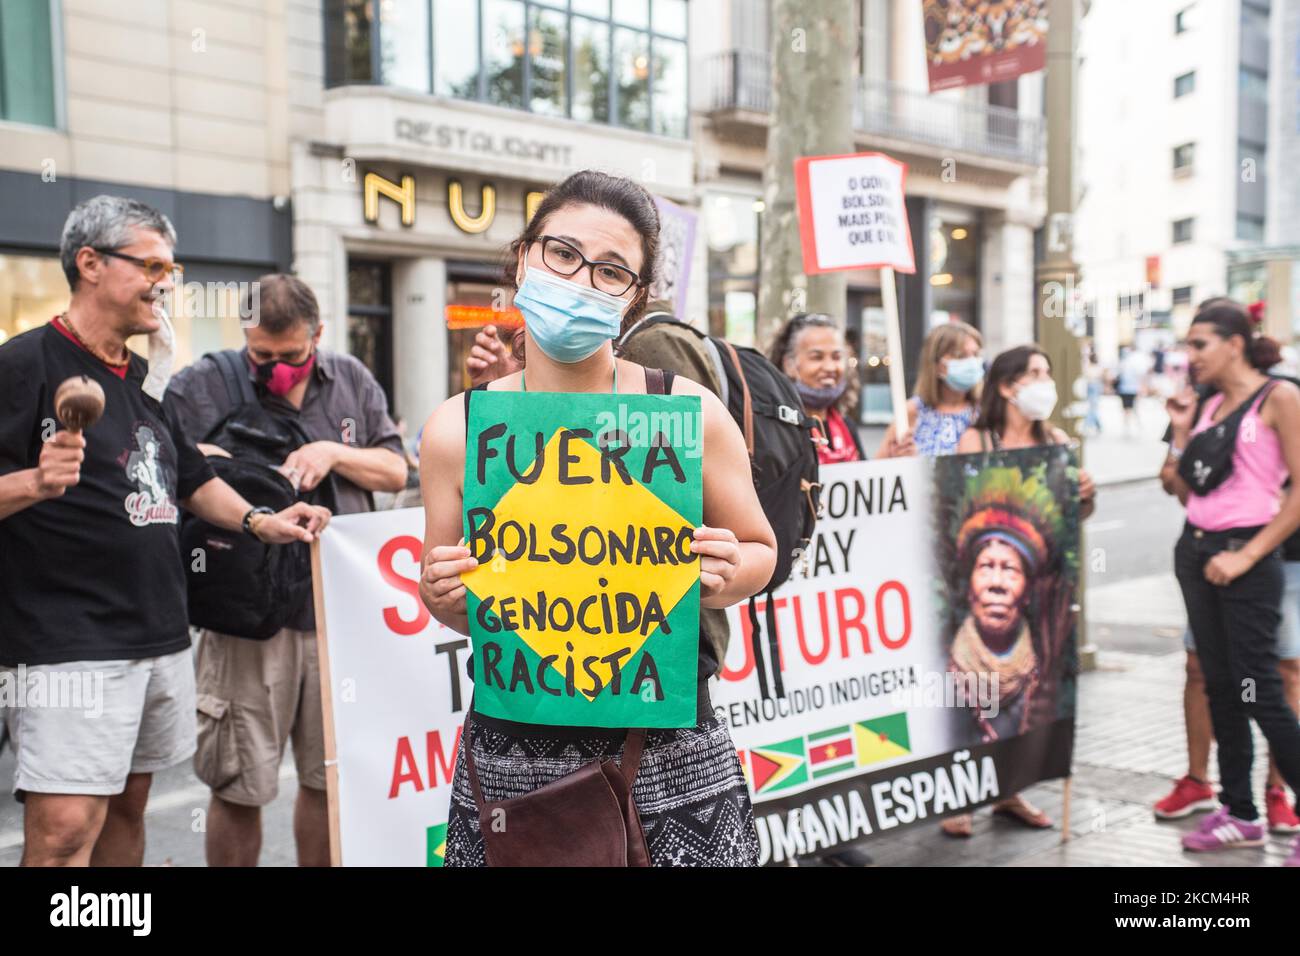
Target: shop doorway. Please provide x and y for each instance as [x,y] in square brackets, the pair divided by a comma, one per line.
[370,319]
[476,296]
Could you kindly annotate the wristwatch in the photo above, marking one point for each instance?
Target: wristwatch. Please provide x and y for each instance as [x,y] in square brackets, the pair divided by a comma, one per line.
[248,518]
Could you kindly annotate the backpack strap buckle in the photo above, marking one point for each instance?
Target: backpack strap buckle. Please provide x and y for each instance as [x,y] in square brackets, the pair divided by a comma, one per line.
[788,414]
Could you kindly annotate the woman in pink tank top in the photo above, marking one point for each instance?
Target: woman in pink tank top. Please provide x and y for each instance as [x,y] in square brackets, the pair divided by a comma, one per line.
[1228,563]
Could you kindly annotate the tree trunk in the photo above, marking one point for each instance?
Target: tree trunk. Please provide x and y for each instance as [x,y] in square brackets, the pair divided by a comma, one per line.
[812,44]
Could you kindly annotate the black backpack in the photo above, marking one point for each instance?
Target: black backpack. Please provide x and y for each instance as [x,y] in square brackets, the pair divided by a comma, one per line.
[238,585]
[782,456]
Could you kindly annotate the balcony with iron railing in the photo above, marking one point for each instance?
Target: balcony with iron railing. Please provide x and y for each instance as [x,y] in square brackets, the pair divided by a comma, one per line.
[739,82]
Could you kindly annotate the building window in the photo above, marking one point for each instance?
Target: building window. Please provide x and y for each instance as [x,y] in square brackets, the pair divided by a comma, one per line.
[1183,230]
[954,269]
[1184,84]
[33,289]
[347,42]
[1184,19]
[1184,158]
[731,228]
[1250,228]
[1253,84]
[1183,295]
[27,63]
[623,63]
[404,43]
[1132,304]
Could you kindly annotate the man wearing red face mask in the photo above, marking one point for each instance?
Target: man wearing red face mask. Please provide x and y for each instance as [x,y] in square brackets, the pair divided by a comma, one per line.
[261,694]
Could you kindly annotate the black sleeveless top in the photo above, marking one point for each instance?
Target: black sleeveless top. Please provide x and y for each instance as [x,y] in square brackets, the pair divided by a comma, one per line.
[708,661]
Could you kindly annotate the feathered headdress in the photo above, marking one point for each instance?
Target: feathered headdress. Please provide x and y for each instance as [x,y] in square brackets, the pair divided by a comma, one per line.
[1019,510]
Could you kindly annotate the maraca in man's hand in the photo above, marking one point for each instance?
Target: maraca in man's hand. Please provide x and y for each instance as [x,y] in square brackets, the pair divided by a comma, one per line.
[78,403]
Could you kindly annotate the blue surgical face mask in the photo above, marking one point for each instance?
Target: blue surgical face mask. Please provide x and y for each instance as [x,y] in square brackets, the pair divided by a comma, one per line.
[964,373]
[568,321]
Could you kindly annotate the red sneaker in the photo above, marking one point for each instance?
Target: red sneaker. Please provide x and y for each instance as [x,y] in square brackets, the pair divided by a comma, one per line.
[1281,816]
[1187,797]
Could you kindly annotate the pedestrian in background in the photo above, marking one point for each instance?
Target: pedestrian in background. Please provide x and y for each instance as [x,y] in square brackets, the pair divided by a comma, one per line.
[1227,560]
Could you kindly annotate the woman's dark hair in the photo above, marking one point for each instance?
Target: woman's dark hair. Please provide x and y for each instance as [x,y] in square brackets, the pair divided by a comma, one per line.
[787,337]
[1229,319]
[1006,368]
[590,187]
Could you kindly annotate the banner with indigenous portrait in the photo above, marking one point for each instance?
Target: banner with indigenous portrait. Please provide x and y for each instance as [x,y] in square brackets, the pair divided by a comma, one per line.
[972,42]
[927,646]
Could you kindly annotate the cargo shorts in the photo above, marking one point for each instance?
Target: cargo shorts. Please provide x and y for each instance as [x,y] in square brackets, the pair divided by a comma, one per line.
[253,698]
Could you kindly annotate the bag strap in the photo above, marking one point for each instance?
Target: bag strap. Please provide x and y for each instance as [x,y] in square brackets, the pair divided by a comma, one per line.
[234,375]
[773,647]
[746,400]
[633,747]
[654,381]
[467,393]
[468,744]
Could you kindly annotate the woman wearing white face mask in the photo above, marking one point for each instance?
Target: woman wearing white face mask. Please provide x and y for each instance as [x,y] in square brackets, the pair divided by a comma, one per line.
[946,401]
[581,270]
[1019,396]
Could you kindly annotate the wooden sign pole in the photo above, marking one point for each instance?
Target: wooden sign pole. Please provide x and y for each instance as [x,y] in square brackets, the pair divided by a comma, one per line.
[1065,810]
[327,707]
[894,336]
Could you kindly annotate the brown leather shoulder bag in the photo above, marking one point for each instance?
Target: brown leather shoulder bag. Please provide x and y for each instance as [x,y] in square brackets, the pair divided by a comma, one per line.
[586,818]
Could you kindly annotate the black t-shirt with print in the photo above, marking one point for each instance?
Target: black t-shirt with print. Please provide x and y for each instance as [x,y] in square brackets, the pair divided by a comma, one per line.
[95,574]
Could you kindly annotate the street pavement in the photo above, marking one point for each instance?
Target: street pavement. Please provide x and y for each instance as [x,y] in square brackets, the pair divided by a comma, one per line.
[1130,742]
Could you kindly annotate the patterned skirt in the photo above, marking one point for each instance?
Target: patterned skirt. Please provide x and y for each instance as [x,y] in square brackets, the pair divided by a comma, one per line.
[689,790]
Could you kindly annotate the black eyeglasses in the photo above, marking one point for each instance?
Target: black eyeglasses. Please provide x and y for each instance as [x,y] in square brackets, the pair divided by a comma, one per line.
[564,259]
[155,269]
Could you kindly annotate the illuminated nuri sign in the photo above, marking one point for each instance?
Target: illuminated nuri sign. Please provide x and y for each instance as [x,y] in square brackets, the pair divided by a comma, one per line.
[403,193]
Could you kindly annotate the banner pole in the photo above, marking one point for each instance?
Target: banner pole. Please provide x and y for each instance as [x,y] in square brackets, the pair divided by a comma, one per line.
[893,333]
[1065,810]
[327,707]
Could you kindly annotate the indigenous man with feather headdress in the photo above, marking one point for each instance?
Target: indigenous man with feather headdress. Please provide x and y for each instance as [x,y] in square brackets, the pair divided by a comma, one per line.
[1008,528]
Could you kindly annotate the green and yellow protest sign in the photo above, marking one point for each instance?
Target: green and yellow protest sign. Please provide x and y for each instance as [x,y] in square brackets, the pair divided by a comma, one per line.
[585,607]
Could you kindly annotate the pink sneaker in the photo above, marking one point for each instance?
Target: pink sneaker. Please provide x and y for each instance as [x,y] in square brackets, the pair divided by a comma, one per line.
[1281,816]
[1222,831]
[1294,858]
[1187,797]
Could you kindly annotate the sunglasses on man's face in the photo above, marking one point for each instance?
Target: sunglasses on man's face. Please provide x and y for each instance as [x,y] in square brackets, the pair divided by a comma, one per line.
[155,269]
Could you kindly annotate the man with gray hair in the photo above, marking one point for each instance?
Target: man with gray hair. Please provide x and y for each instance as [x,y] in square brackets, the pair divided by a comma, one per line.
[94,591]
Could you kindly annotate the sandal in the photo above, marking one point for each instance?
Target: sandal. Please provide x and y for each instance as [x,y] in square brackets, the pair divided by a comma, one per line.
[1023,812]
[958,826]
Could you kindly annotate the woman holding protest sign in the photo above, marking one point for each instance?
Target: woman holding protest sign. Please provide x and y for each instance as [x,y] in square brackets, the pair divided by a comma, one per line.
[811,351]
[948,379]
[1018,398]
[1233,461]
[581,271]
